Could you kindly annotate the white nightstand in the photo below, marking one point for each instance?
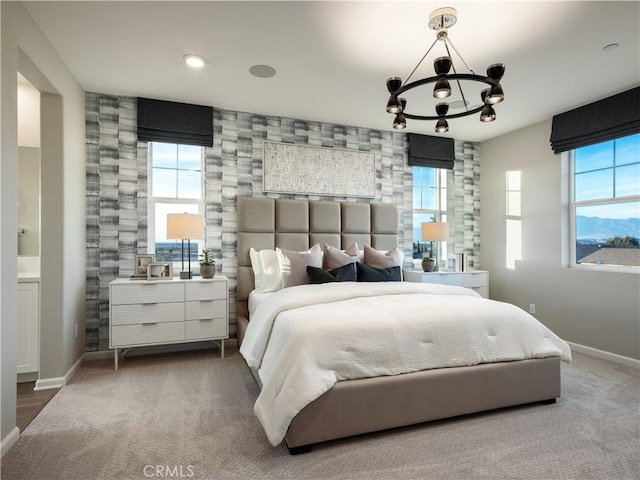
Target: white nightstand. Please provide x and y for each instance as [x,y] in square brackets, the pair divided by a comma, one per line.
[477,280]
[160,312]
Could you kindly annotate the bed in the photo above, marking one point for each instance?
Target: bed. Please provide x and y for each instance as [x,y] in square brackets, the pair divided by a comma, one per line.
[363,401]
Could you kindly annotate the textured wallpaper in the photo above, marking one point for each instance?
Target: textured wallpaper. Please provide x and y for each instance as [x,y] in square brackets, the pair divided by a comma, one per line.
[117,176]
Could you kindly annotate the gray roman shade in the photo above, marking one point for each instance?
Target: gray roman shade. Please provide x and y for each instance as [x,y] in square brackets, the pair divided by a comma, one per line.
[607,119]
[171,122]
[428,151]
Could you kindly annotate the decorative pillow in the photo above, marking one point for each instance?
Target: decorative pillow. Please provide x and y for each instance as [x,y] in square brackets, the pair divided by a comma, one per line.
[266,270]
[293,265]
[334,257]
[367,273]
[345,273]
[381,259]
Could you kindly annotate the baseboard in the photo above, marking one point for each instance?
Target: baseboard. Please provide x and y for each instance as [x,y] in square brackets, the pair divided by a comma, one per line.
[58,382]
[612,357]
[99,355]
[9,441]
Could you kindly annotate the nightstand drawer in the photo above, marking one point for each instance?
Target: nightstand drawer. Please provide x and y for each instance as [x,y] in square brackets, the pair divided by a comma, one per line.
[146,334]
[206,309]
[209,290]
[206,328]
[443,278]
[148,312]
[148,292]
[473,279]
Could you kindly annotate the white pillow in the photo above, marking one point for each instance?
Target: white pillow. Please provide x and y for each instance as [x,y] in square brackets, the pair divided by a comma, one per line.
[293,265]
[266,270]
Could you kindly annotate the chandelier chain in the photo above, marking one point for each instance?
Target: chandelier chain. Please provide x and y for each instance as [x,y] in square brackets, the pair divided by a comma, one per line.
[453,67]
[421,60]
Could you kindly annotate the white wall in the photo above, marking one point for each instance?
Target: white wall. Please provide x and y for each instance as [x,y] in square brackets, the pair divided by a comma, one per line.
[26,49]
[597,309]
[28,114]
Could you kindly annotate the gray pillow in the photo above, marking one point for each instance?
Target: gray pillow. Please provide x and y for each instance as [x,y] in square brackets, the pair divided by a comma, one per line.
[345,273]
[293,265]
[367,273]
[334,257]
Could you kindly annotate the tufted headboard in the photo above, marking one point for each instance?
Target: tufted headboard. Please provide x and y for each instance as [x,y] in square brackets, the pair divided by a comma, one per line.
[267,223]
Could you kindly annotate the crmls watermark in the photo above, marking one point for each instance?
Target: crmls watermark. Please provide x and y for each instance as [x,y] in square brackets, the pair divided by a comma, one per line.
[168,471]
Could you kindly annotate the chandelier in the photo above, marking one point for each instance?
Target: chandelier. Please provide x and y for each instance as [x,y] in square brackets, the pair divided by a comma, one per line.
[441,20]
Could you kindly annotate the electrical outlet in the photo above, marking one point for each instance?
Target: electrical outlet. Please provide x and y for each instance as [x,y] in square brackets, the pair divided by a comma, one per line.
[75,330]
[532,308]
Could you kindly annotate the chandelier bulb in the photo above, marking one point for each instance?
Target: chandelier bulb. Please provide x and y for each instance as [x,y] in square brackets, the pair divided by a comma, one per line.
[442,109]
[400,122]
[393,84]
[495,71]
[442,88]
[488,114]
[442,65]
[442,126]
[393,105]
[495,95]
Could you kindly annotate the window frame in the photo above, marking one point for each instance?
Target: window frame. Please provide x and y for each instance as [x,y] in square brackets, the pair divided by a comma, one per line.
[573,205]
[152,201]
[439,213]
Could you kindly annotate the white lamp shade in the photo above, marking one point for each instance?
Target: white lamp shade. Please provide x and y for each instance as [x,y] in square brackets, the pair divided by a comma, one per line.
[184,226]
[435,231]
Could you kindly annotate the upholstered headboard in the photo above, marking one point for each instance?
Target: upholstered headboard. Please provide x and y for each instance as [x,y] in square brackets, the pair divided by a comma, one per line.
[266,223]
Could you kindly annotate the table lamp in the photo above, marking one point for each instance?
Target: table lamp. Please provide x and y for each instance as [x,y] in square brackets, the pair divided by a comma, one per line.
[185,226]
[435,232]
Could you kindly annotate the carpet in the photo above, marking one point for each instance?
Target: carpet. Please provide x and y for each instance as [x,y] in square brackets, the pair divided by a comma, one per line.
[190,415]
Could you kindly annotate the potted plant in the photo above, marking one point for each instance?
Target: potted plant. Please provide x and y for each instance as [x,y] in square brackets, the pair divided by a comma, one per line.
[207,264]
[428,264]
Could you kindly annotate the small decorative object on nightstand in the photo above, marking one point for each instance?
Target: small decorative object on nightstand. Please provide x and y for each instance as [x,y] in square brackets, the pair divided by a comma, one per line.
[428,264]
[207,264]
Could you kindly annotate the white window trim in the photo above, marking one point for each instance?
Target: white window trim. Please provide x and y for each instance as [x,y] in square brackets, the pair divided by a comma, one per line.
[568,158]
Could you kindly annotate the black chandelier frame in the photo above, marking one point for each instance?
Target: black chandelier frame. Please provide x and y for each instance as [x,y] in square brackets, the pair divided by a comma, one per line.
[454,76]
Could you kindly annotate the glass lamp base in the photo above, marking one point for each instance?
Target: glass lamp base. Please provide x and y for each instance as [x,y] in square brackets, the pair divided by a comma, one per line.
[186,275]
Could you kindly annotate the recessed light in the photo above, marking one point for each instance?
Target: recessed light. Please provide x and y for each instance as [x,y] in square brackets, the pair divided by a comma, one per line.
[458,104]
[195,61]
[262,71]
[611,46]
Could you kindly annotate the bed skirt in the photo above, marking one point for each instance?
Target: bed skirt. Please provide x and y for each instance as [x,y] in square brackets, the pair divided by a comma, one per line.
[371,404]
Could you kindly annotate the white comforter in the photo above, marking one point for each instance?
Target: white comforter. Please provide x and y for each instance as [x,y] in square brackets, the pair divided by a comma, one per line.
[304,339]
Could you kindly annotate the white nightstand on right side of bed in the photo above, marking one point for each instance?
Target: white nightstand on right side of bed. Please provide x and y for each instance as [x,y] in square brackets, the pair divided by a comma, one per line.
[477,280]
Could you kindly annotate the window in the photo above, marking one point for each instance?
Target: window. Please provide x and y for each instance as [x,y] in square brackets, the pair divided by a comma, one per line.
[429,204]
[175,186]
[605,204]
[514,218]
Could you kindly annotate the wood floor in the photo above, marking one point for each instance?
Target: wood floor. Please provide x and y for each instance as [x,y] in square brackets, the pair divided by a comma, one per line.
[30,403]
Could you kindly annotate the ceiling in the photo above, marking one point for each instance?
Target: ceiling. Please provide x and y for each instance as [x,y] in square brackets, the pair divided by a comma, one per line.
[333,58]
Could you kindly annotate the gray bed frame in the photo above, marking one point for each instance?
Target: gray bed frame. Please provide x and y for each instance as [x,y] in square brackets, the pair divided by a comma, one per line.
[370,404]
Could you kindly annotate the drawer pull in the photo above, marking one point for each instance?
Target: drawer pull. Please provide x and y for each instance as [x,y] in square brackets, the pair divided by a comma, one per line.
[206,319]
[149,323]
[148,304]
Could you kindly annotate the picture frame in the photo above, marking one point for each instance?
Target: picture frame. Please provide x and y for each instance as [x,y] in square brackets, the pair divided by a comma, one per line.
[455,263]
[142,263]
[159,271]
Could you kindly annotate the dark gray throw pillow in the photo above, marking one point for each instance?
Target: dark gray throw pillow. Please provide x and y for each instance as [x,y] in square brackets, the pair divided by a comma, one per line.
[373,274]
[346,273]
